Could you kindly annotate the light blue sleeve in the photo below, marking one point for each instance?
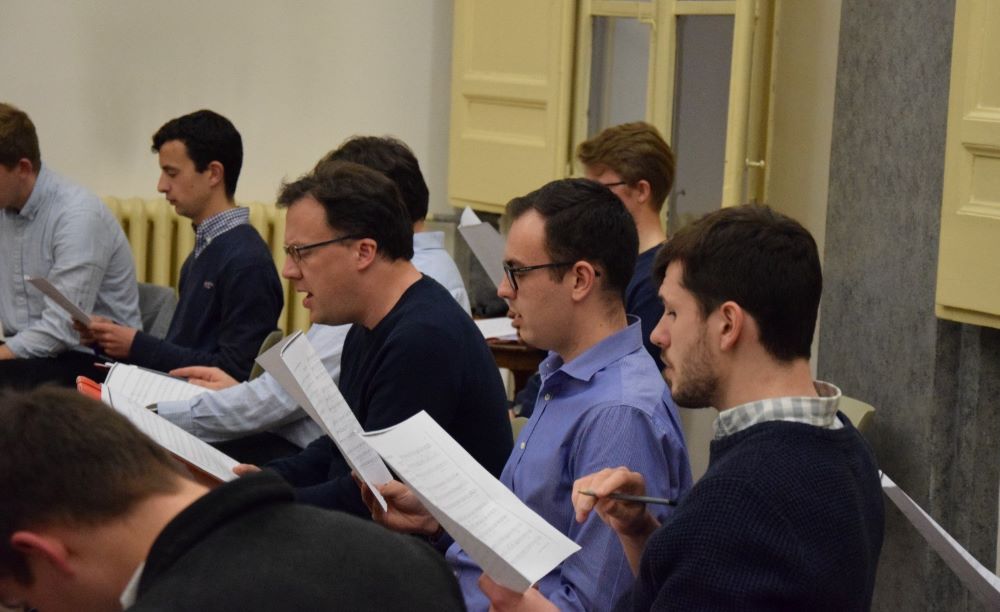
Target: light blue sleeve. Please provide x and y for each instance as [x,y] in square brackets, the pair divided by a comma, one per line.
[254,406]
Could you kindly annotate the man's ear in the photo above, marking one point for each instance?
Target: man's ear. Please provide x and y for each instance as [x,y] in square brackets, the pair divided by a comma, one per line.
[217,173]
[731,324]
[42,548]
[584,279]
[645,191]
[365,250]
[24,166]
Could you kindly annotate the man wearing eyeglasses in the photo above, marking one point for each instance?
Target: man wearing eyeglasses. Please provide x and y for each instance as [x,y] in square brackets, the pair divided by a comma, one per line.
[257,421]
[411,347]
[637,165]
[229,295]
[568,258]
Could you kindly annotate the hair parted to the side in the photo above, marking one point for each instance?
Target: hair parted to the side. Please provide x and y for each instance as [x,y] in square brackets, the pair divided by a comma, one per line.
[68,459]
[391,157]
[358,201]
[584,221]
[761,259]
[208,137]
[18,138]
[636,151]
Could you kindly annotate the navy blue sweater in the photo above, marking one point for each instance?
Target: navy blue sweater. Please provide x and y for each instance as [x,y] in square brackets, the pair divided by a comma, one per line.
[230,300]
[788,517]
[426,354]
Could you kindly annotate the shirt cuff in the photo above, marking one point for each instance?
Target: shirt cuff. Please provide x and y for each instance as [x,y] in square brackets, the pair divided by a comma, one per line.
[178,413]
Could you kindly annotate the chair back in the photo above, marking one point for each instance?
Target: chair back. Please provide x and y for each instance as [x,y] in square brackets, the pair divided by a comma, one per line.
[269,341]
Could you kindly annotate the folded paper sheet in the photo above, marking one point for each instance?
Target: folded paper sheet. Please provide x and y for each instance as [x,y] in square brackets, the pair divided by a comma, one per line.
[499,327]
[171,437]
[297,367]
[487,245]
[513,545]
[61,300]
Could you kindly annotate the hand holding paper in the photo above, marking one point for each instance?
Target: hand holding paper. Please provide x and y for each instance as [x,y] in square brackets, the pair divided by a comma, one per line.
[297,367]
[403,512]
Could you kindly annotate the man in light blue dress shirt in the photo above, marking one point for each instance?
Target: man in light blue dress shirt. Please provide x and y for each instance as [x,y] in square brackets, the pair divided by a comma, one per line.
[257,420]
[569,256]
[52,228]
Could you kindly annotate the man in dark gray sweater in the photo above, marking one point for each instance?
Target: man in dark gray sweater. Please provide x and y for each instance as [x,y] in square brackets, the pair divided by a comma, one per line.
[102,519]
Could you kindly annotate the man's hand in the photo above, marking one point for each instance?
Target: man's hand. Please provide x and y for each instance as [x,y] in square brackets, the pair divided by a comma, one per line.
[245,469]
[115,340]
[404,511]
[503,599]
[204,376]
[86,337]
[6,353]
[629,519]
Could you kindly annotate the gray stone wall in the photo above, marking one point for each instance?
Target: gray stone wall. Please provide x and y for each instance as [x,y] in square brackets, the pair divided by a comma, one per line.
[935,384]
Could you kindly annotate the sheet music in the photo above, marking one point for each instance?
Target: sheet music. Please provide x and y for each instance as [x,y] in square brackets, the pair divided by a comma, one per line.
[981,581]
[500,327]
[299,370]
[149,387]
[487,245]
[61,300]
[171,437]
[512,544]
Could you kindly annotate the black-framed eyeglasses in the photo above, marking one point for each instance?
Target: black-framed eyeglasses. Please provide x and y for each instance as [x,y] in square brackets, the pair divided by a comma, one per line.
[295,251]
[512,272]
[615,184]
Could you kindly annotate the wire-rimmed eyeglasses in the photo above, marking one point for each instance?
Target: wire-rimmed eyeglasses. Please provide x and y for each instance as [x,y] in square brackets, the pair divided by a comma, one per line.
[295,251]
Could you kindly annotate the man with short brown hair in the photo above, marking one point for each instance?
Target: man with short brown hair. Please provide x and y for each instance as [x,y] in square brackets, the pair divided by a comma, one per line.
[107,520]
[52,228]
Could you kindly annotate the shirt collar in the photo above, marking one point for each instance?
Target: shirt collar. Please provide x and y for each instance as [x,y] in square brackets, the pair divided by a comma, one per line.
[428,240]
[30,208]
[218,224]
[819,411]
[131,592]
[597,357]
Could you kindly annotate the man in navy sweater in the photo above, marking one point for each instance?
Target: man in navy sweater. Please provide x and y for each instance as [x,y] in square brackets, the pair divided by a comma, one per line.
[411,347]
[789,515]
[230,295]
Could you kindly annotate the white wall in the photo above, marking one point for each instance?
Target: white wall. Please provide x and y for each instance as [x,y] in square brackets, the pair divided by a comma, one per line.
[297,78]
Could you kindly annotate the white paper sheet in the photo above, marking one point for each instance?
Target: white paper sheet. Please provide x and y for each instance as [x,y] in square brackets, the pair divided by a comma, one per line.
[500,327]
[61,300]
[297,367]
[171,437]
[983,583]
[148,387]
[513,545]
[469,217]
[487,245]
